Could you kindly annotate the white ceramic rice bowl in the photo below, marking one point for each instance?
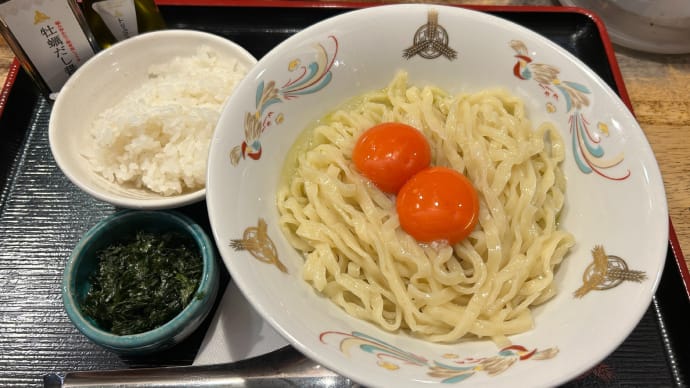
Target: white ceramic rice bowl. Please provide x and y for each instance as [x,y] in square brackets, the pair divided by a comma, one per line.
[102,82]
[359,52]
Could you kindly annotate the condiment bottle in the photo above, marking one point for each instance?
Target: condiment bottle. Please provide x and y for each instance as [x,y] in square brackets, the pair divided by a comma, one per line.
[50,39]
[114,20]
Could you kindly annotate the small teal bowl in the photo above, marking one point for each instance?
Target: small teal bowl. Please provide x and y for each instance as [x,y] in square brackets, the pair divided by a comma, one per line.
[120,226]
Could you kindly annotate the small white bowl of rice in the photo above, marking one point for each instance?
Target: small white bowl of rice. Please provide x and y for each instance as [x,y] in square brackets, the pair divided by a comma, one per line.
[133,125]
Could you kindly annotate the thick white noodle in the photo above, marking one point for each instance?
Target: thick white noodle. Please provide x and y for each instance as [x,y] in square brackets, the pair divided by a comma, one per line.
[356,253]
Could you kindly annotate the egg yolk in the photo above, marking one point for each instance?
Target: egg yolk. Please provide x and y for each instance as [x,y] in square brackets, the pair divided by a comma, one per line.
[389,154]
[438,204]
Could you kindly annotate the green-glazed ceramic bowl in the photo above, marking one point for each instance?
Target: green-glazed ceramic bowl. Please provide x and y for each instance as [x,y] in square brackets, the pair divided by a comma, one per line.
[120,226]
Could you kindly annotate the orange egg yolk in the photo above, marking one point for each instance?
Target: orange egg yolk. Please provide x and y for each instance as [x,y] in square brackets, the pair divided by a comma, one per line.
[389,154]
[438,203]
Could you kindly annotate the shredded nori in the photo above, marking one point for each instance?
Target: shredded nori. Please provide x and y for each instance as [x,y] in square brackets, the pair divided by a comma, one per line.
[142,284]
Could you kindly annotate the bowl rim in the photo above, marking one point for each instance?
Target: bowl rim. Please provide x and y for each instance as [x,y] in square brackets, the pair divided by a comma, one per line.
[208,284]
[60,155]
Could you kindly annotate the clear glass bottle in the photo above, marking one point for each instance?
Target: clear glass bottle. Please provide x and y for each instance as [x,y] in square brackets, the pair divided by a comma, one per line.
[114,20]
[50,39]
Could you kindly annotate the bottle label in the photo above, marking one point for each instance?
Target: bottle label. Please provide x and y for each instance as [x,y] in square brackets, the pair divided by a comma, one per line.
[119,15]
[50,35]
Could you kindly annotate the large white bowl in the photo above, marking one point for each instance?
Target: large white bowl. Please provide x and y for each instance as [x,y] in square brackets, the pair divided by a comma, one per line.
[622,207]
[102,82]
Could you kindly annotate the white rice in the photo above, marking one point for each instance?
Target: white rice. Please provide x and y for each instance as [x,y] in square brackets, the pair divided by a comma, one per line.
[158,136]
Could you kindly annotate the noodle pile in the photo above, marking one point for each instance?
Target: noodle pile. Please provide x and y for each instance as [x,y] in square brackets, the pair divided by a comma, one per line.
[356,253]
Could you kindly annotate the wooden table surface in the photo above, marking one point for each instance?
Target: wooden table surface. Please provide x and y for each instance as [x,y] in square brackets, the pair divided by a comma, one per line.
[659,88]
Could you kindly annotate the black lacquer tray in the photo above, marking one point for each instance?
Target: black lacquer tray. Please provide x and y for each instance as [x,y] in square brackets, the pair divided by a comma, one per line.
[43,215]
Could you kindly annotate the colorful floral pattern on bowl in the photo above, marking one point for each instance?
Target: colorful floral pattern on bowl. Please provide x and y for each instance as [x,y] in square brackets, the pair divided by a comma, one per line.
[614,190]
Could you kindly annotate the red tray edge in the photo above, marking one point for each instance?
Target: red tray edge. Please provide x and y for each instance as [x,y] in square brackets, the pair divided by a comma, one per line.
[608,46]
[9,81]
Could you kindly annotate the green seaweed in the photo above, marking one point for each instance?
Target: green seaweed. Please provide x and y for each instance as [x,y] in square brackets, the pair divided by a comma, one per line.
[142,284]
